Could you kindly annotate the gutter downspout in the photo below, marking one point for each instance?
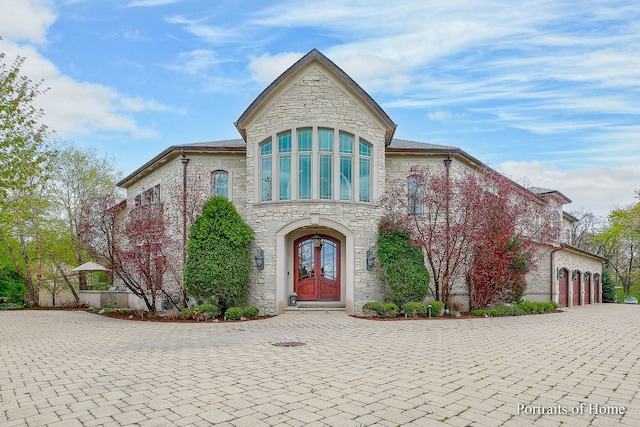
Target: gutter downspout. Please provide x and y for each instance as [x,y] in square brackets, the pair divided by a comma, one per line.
[184,161]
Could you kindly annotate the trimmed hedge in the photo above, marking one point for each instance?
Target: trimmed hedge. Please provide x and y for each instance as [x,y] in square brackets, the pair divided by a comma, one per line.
[522,308]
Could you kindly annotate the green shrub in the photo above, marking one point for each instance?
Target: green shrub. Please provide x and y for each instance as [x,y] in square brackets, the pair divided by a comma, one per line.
[186,313]
[218,263]
[414,309]
[523,308]
[210,309]
[372,307]
[108,310]
[233,313]
[251,312]
[437,308]
[390,310]
[403,269]
[608,287]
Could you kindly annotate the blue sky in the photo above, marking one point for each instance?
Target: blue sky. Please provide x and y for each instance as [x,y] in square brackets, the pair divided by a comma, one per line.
[548,92]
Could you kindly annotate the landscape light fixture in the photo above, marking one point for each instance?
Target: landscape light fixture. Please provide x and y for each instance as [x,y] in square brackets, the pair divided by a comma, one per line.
[293,299]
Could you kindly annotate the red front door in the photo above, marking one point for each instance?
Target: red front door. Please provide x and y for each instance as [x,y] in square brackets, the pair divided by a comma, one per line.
[317,269]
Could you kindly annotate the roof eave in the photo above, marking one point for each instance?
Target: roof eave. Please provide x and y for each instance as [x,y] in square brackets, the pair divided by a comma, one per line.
[176,149]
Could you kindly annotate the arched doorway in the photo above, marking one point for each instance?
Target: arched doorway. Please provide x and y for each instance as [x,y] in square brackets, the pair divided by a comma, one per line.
[576,288]
[596,289]
[317,268]
[563,300]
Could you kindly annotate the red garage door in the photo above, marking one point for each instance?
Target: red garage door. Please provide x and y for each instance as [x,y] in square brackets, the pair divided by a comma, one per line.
[563,301]
[576,288]
[596,289]
[587,288]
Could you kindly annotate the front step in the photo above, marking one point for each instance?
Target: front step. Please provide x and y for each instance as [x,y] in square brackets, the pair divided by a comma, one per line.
[327,308]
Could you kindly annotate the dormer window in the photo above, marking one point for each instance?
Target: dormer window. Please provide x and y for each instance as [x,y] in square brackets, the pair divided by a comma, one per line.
[312,164]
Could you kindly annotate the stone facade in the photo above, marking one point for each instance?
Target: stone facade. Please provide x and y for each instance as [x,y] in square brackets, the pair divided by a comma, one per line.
[313,94]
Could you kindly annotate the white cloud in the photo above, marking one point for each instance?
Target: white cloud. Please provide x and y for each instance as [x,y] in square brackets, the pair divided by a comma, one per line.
[597,189]
[209,33]
[75,108]
[267,68]
[26,19]
[195,62]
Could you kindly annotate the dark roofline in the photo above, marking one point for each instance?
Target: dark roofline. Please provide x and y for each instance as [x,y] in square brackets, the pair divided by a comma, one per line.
[179,149]
[315,55]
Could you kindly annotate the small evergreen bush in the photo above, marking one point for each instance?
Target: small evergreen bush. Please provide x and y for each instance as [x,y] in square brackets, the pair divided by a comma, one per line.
[437,308]
[414,309]
[390,310]
[251,312]
[372,308]
[187,313]
[210,309]
[233,313]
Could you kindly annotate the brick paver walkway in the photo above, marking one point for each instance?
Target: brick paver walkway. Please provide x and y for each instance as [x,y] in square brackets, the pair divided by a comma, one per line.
[74,368]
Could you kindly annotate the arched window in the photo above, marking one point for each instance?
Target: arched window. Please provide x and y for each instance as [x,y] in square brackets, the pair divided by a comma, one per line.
[315,163]
[220,184]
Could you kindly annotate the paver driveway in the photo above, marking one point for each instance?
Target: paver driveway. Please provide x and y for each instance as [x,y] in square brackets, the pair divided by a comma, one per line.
[74,368]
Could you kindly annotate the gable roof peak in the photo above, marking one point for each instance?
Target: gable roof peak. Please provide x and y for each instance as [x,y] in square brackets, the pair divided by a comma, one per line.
[315,55]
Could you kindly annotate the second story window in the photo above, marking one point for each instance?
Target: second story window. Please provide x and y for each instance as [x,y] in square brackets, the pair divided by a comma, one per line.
[148,197]
[315,163]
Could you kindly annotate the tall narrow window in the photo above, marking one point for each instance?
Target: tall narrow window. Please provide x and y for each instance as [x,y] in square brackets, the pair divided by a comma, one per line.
[325,146]
[365,171]
[284,166]
[220,184]
[304,164]
[266,176]
[414,195]
[346,166]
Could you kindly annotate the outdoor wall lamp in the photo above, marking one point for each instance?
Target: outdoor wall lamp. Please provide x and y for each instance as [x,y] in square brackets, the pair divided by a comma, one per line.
[587,276]
[259,257]
[575,275]
[293,298]
[560,273]
[317,240]
[370,258]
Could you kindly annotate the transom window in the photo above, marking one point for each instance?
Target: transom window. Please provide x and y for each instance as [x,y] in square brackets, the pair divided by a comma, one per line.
[315,164]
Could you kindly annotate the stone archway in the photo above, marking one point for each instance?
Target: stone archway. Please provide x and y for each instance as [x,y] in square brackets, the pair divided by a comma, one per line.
[286,239]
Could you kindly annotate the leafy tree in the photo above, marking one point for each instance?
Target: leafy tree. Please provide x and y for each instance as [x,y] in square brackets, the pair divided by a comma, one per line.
[218,264]
[23,151]
[80,176]
[24,158]
[467,223]
[620,244]
[403,268]
[608,287]
[10,283]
